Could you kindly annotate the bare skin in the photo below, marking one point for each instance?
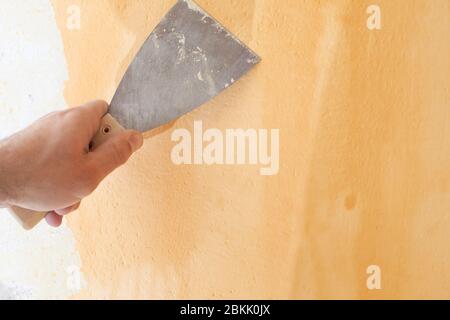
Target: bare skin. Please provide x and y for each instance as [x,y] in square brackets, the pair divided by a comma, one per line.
[48,167]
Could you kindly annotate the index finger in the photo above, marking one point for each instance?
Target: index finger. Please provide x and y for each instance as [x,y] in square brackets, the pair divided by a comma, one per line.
[95,109]
[92,113]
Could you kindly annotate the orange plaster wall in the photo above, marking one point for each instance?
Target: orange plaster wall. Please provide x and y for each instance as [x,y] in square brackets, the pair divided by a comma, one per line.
[364,161]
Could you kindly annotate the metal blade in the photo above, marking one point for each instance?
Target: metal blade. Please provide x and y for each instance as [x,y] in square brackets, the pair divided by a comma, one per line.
[187,60]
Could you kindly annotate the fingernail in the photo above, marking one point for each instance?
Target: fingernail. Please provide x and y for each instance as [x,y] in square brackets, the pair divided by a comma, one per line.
[136,141]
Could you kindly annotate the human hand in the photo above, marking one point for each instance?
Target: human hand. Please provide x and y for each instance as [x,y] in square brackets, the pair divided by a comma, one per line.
[48,166]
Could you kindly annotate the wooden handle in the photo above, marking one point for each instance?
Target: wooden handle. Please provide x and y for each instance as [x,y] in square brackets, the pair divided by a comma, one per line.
[108,127]
[28,219]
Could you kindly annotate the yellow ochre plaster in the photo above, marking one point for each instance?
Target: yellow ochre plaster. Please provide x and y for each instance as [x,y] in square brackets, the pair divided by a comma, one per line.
[364,173]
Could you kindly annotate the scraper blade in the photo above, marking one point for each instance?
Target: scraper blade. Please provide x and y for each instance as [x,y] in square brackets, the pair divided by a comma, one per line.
[187,60]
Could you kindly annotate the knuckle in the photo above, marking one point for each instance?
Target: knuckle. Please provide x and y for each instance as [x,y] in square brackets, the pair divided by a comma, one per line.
[79,114]
[101,103]
[95,107]
[70,117]
[58,116]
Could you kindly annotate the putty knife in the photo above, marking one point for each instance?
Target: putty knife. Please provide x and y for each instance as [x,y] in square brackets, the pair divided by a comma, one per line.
[187,60]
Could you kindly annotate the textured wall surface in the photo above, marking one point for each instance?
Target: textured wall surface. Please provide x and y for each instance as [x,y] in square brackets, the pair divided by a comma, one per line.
[364,161]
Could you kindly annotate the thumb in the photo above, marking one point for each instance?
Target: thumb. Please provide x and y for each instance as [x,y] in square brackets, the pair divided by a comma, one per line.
[116,151]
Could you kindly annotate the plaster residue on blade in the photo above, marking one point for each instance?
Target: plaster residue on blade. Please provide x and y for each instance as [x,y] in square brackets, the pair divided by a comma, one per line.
[188,59]
[199,56]
[195,7]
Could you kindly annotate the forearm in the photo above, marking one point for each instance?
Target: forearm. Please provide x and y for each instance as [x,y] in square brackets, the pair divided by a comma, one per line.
[16,165]
[11,160]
